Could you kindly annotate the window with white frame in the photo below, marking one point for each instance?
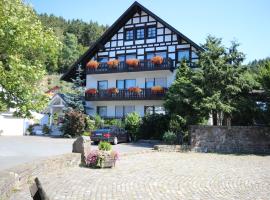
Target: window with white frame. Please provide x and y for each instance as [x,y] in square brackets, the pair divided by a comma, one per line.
[122,111]
[102,111]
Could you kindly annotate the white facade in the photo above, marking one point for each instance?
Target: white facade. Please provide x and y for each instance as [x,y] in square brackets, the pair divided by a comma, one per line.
[142,37]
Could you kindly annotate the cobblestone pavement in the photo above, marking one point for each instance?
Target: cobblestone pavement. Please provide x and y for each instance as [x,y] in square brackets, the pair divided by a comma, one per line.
[161,175]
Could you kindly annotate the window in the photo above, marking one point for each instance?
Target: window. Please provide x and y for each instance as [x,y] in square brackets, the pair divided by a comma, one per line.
[131,56]
[121,57]
[120,84]
[102,85]
[151,32]
[150,82]
[130,83]
[125,84]
[194,57]
[154,109]
[140,33]
[102,111]
[102,59]
[183,54]
[150,55]
[122,111]
[161,81]
[129,34]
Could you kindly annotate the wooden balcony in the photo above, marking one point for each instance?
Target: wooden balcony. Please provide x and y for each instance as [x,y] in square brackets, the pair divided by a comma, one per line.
[144,65]
[145,94]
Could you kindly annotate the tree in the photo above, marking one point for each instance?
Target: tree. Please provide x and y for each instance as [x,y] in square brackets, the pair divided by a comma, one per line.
[25,49]
[75,100]
[219,86]
[70,52]
[132,124]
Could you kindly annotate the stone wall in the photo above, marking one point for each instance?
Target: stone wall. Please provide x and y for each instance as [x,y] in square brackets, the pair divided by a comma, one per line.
[13,178]
[235,139]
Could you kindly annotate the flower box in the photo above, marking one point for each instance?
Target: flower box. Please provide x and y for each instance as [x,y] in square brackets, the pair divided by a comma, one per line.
[157,60]
[157,89]
[101,159]
[113,91]
[92,64]
[91,91]
[132,62]
[135,90]
[113,63]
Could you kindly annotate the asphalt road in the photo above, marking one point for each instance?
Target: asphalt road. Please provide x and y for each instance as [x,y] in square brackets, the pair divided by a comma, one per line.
[16,150]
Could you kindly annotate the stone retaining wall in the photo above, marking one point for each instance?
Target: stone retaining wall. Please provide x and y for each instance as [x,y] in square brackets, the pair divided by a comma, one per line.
[13,178]
[235,139]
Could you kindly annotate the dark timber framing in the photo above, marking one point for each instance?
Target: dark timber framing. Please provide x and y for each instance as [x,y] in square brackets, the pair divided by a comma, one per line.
[121,22]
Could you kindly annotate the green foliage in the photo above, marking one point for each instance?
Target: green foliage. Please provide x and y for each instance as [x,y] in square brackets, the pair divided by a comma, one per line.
[219,86]
[99,122]
[26,48]
[104,146]
[75,35]
[74,123]
[86,133]
[114,122]
[46,129]
[90,124]
[169,137]
[132,124]
[153,126]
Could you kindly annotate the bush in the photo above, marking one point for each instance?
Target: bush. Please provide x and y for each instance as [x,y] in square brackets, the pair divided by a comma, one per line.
[99,122]
[74,123]
[104,146]
[132,124]
[170,137]
[86,133]
[153,126]
[46,129]
[115,122]
[89,124]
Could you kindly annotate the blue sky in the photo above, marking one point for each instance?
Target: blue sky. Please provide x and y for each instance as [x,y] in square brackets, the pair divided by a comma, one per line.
[246,21]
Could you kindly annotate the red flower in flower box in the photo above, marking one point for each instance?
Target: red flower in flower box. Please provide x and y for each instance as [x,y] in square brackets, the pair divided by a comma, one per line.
[113,91]
[91,91]
[92,64]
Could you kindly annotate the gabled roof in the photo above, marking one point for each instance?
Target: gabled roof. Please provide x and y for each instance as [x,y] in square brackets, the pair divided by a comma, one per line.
[113,29]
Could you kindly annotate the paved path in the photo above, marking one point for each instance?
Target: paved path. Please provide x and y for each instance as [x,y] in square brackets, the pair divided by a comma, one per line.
[16,150]
[160,175]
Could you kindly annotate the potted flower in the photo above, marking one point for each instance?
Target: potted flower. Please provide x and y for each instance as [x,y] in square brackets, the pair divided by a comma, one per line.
[113,63]
[91,91]
[136,90]
[113,90]
[92,64]
[104,157]
[157,89]
[157,60]
[132,62]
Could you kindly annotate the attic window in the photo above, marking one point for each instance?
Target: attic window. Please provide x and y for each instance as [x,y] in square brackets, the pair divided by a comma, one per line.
[129,34]
[140,33]
[151,32]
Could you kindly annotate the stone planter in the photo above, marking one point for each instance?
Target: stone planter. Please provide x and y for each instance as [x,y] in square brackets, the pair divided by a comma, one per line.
[108,162]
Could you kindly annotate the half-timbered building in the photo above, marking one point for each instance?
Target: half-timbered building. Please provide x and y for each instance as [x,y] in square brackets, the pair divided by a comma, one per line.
[132,64]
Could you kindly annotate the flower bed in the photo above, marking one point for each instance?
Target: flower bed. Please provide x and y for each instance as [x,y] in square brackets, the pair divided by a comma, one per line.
[91,91]
[102,159]
[157,60]
[132,62]
[113,63]
[136,90]
[113,91]
[157,89]
[92,64]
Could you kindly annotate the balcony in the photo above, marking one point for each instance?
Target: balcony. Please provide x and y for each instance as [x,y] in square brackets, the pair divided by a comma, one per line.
[124,94]
[144,65]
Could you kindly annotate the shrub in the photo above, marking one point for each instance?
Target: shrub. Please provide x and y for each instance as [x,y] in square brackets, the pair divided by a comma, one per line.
[86,133]
[169,137]
[114,122]
[132,124]
[46,129]
[74,123]
[153,126]
[99,122]
[89,124]
[104,146]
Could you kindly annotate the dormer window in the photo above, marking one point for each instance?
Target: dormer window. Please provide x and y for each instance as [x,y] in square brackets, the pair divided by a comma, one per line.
[140,33]
[129,34]
[151,32]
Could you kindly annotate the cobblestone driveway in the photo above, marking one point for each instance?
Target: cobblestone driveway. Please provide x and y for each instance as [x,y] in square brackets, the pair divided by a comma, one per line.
[167,176]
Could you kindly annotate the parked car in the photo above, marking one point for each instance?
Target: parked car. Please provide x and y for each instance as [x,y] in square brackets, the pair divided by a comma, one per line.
[112,134]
